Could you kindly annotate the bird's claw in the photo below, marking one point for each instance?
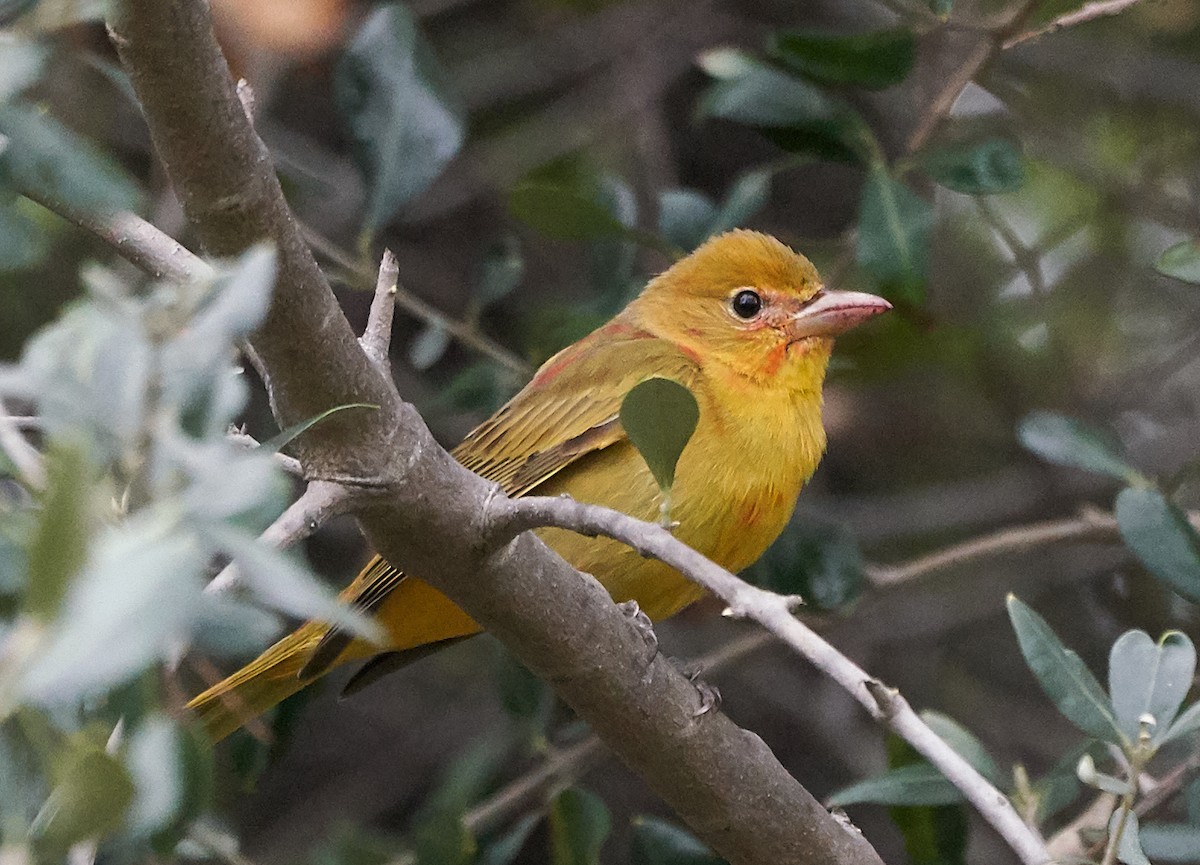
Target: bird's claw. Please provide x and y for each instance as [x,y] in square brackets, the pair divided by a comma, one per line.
[641,623]
[710,698]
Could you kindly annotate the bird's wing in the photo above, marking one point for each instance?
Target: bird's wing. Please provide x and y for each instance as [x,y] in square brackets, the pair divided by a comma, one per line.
[569,409]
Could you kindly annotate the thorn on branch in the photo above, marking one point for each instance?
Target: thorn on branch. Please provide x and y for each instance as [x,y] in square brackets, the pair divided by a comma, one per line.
[884,697]
[641,623]
[245,94]
[376,340]
[710,698]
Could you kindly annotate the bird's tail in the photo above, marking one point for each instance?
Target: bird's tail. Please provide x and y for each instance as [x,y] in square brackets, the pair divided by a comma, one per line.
[269,679]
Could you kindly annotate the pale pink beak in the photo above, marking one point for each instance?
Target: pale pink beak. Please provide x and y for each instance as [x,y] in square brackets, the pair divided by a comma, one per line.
[830,313]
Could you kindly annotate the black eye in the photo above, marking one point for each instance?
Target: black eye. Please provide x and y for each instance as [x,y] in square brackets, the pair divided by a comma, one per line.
[747,303]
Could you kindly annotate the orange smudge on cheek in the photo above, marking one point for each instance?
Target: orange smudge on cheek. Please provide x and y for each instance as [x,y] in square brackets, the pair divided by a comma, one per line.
[775,358]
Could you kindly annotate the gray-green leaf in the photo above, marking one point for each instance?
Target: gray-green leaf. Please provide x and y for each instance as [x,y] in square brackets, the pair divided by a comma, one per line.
[1068,442]
[872,60]
[657,842]
[915,784]
[1151,678]
[404,124]
[1063,675]
[991,166]
[58,548]
[579,825]
[1181,261]
[659,416]
[894,227]
[1129,848]
[1160,535]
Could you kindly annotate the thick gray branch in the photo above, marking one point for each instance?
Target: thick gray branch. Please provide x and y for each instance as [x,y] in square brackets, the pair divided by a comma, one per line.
[223,175]
[427,513]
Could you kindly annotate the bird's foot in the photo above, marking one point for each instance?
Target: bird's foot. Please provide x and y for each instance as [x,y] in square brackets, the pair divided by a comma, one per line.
[642,624]
[710,697]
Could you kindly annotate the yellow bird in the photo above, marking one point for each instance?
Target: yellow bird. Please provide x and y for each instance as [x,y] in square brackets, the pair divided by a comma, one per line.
[746,325]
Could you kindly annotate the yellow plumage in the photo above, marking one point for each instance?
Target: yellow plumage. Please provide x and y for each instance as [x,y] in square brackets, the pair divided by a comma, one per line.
[759,437]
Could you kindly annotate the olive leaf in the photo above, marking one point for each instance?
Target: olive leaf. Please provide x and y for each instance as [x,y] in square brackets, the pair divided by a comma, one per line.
[659,416]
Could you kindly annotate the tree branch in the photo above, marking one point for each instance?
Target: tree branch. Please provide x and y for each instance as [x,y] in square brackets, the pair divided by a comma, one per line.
[423,511]
[231,196]
[1088,12]
[132,238]
[466,333]
[774,612]
[377,336]
[1091,525]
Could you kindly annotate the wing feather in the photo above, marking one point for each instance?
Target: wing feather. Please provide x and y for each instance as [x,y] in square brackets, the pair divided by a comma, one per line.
[569,409]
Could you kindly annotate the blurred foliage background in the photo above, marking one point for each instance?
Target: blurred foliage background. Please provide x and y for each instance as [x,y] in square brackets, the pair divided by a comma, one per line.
[532,162]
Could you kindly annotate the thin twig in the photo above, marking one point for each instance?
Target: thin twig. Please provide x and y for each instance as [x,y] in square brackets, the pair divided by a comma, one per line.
[1092,526]
[1088,12]
[132,238]
[774,612]
[291,465]
[984,51]
[566,762]
[23,455]
[321,501]
[377,335]
[465,333]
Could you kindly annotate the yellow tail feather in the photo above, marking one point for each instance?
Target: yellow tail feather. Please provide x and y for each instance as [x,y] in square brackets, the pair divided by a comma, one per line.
[269,679]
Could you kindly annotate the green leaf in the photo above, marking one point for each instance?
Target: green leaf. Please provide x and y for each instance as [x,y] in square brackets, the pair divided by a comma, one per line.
[915,784]
[1129,848]
[1059,787]
[522,694]
[1181,261]
[429,346]
[1170,842]
[404,125]
[821,562]
[894,226]
[171,771]
[132,603]
[47,157]
[285,584]
[659,416]
[579,825]
[282,439]
[965,745]
[59,545]
[441,837]
[792,113]
[563,212]
[685,217]
[657,842]
[89,799]
[991,166]
[21,62]
[1186,724]
[502,270]
[872,60]
[1068,442]
[933,835]
[23,242]
[1148,678]
[1160,535]
[1063,675]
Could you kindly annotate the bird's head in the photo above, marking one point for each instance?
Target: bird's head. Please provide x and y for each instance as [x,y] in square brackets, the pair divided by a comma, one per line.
[748,301]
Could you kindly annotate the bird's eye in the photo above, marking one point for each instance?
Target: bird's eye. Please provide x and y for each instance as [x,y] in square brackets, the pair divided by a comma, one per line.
[747,303]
